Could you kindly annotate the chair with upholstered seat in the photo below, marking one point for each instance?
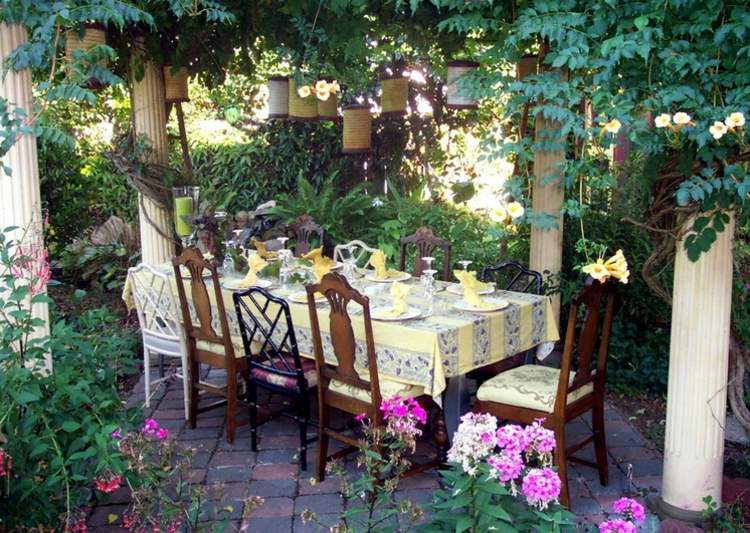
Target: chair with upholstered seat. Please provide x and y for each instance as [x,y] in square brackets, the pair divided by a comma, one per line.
[529,392]
[425,242]
[306,234]
[275,364]
[340,385]
[205,345]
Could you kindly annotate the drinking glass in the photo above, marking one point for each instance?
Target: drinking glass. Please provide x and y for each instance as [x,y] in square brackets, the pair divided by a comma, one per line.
[185,206]
[227,266]
[350,263]
[285,270]
[430,288]
[465,264]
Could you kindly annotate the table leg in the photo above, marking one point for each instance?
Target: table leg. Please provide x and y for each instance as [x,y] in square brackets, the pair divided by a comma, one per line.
[456,402]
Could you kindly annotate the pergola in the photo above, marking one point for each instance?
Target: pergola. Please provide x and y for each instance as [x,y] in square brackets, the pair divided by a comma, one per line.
[699,352]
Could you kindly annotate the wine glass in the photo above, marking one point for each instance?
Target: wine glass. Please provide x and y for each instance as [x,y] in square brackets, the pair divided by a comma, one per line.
[430,288]
[282,240]
[346,254]
[285,270]
[227,266]
[465,264]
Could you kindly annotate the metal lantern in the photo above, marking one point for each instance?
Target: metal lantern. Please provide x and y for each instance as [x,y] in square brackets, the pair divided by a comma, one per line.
[394,97]
[176,84]
[455,97]
[278,97]
[357,129]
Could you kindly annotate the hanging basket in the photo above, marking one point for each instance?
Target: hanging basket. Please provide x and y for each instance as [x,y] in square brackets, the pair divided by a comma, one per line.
[301,108]
[357,129]
[93,35]
[329,109]
[176,85]
[278,97]
[455,99]
[527,66]
[395,95]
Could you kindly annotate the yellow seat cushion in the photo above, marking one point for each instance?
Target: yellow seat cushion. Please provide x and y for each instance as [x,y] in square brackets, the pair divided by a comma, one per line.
[530,386]
[217,348]
[388,389]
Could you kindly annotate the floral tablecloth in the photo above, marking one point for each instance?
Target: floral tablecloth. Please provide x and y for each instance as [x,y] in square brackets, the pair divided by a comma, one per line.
[426,351]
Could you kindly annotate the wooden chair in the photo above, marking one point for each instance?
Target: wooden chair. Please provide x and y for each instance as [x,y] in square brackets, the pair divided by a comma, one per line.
[512,276]
[275,364]
[360,251]
[302,230]
[340,385]
[526,393]
[426,242]
[161,329]
[205,345]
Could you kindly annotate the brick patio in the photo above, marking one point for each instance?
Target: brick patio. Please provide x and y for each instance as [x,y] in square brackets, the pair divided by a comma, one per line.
[235,472]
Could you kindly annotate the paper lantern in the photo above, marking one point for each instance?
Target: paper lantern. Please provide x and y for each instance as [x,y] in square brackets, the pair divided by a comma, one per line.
[357,129]
[278,97]
[395,95]
[176,84]
[329,109]
[527,66]
[456,99]
[93,35]
[301,108]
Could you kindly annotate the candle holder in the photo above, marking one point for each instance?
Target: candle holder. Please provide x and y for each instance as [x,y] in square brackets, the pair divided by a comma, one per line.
[185,207]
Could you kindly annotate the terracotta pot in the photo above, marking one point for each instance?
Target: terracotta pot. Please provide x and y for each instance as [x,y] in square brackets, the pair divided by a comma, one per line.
[455,99]
[278,97]
[357,129]
[395,95]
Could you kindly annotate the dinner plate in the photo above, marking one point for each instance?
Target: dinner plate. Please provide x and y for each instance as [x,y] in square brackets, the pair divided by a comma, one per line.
[338,266]
[402,276]
[379,313]
[497,304]
[301,298]
[234,284]
[455,288]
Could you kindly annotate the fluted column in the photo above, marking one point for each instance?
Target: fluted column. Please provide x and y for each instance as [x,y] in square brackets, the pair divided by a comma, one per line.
[547,197]
[150,119]
[698,363]
[20,202]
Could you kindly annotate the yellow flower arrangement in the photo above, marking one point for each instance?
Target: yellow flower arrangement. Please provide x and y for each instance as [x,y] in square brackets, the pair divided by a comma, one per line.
[615,267]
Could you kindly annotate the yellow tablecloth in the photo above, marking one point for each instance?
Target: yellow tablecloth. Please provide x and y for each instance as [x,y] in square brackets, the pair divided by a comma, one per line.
[426,351]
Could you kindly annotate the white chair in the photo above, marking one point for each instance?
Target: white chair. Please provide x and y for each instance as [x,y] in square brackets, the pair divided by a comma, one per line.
[162,331]
[359,249]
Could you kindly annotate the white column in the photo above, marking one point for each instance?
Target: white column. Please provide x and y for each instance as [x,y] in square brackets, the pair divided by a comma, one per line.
[547,197]
[150,119]
[698,362]
[20,202]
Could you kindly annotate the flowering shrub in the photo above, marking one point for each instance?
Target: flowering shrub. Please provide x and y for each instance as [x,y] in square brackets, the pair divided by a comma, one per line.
[633,514]
[501,478]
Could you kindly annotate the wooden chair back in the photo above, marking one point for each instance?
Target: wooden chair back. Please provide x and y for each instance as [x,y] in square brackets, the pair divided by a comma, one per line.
[303,230]
[426,242]
[192,259]
[587,341]
[513,276]
[267,332]
[339,294]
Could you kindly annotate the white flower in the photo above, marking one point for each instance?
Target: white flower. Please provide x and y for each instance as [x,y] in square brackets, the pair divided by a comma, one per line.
[473,441]
[515,210]
[718,129]
[663,120]
[613,126]
[735,120]
[377,202]
[681,118]
[499,214]
[304,91]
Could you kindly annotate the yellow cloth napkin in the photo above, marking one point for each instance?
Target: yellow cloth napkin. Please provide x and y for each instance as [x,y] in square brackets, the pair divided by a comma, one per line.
[320,269]
[399,292]
[316,257]
[260,246]
[471,286]
[377,261]
[255,263]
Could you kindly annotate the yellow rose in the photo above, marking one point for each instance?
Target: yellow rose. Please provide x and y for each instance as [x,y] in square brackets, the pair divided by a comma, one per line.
[597,270]
[718,129]
[613,126]
[321,86]
[304,91]
[735,120]
[499,214]
[515,210]
[681,118]
[335,87]
[663,120]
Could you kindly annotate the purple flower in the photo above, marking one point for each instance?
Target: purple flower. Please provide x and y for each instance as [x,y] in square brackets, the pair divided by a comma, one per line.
[512,438]
[360,417]
[116,434]
[630,509]
[507,465]
[617,526]
[541,486]
[540,439]
[151,428]
[161,433]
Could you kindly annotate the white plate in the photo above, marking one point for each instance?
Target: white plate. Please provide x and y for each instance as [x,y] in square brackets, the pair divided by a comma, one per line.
[378,313]
[403,276]
[301,298]
[338,266]
[455,288]
[497,304]
[233,285]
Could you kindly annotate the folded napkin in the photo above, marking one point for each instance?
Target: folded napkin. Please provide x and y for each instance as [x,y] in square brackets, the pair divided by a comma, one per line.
[377,261]
[316,257]
[399,292]
[320,269]
[471,287]
[255,264]
[260,246]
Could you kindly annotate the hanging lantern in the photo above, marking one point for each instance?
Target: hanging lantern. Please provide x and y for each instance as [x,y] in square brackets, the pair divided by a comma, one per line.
[455,99]
[527,66]
[93,35]
[395,94]
[176,84]
[301,108]
[357,129]
[328,109]
[278,97]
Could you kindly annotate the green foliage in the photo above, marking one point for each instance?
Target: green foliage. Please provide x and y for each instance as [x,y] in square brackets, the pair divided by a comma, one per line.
[105,265]
[733,518]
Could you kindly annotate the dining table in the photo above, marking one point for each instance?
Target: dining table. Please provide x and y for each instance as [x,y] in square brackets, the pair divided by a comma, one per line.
[435,349]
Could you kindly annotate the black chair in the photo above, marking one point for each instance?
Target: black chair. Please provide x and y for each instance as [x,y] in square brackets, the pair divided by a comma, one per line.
[275,364]
[512,276]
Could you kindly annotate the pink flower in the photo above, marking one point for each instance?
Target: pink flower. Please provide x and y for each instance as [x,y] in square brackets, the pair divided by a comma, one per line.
[419,413]
[31,265]
[507,465]
[630,509]
[617,526]
[541,486]
[402,416]
[116,434]
[360,417]
[151,428]
[512,438]
[108,485]
[539,438]
[6,463]
[162,433]
[79,527]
